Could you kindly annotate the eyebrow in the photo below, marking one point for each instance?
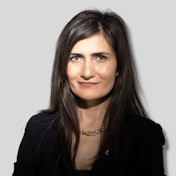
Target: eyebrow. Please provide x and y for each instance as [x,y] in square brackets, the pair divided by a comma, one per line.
[93,54]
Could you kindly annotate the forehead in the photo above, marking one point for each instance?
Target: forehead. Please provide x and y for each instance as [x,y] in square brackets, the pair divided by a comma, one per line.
[94,43]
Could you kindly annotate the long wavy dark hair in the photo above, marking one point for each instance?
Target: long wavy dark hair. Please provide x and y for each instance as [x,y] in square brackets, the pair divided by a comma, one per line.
[125,94]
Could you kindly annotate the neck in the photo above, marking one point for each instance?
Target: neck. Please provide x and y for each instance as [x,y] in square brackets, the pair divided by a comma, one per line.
[91,113]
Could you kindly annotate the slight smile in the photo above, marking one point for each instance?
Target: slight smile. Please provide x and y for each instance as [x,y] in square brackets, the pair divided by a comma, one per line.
[87,84]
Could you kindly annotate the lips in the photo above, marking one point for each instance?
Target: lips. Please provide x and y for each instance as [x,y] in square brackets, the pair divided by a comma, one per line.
[87,84]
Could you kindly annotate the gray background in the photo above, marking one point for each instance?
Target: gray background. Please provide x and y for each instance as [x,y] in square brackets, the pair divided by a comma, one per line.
[28,34]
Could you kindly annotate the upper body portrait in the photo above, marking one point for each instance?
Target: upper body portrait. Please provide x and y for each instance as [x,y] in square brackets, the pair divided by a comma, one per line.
[96,123]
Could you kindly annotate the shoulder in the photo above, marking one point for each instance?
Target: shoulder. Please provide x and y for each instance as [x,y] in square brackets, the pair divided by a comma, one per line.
[40,119]
[143,129]
[39,130]
[137,123]
[141,145]
[40,123]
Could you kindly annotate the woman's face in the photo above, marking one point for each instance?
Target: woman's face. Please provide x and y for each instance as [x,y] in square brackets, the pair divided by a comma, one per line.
[92,68]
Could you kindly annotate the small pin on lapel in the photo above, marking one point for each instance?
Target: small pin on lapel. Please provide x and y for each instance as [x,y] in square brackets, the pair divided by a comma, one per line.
[107,152]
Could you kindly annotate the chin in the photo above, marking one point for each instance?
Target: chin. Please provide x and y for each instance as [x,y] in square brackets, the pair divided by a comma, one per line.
[95,99]
[90,97]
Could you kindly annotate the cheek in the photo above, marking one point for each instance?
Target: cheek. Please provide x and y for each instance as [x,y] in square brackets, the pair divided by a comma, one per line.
[108,73]
[71,72]
[110,79]
[69,75]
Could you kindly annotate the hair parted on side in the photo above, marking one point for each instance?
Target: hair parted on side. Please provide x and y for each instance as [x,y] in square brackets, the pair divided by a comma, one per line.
[125,95]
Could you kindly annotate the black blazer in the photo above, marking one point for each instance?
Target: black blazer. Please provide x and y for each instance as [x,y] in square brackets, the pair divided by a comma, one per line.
[141,147]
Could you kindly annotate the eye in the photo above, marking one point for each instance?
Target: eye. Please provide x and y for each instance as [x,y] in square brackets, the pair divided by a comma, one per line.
[76,58]
[100,58]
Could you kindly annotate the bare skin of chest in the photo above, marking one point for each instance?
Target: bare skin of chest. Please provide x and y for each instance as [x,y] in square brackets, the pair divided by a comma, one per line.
[87,150]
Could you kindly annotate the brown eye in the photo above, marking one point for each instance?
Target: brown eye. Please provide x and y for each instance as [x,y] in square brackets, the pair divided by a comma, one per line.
[100,58]
[76,58]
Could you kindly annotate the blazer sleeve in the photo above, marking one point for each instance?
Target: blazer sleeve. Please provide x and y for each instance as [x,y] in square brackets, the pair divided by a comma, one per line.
[150,152]
[26,153]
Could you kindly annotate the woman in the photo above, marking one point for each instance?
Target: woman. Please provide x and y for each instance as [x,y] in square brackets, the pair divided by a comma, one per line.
[96,123]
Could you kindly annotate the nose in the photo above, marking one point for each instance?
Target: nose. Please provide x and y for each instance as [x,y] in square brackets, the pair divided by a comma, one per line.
[87,70]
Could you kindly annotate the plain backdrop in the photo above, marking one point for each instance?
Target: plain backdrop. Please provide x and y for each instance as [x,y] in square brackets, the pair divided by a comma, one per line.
[28,35]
